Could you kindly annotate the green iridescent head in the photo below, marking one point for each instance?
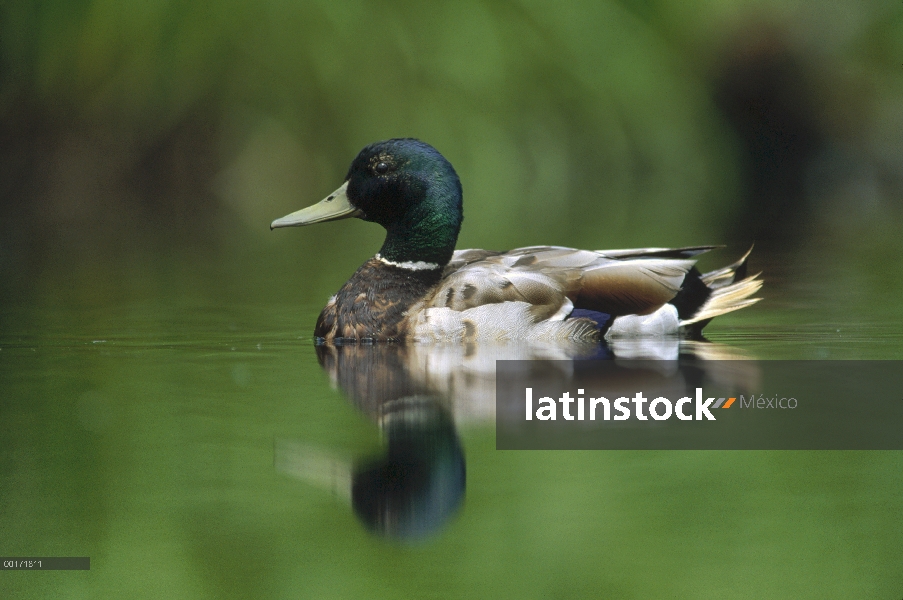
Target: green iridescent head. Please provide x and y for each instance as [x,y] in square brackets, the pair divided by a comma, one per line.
[407,187]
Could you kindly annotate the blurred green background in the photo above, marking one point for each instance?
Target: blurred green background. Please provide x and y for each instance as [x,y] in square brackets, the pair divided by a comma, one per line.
[149,145]
[155,335]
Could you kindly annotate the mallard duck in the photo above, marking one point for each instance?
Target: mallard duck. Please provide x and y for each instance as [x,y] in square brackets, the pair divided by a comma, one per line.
[419,288]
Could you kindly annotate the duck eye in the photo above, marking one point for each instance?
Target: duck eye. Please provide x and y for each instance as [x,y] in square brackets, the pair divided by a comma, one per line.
[382,168]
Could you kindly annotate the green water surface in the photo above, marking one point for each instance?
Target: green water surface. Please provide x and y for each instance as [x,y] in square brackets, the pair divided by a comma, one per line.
[146,434]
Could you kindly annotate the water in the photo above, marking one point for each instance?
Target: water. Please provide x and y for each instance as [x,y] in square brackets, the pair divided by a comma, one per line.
[200,447]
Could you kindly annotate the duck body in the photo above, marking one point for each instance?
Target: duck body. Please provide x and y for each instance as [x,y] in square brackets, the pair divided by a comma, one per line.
[418,288]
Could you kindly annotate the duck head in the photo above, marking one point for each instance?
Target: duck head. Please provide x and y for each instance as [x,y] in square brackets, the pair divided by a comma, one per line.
[407,187]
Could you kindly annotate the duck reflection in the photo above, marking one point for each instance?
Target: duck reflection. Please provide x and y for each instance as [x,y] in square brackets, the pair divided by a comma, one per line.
[414,489]
[419,395]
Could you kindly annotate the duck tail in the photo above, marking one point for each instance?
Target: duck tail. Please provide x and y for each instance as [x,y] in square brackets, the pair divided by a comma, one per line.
[729,274]
[708,295]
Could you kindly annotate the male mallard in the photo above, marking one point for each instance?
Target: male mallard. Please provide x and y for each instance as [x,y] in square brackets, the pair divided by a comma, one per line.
[418,287]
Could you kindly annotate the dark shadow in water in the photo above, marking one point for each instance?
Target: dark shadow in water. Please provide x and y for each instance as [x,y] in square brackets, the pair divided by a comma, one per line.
[419,395]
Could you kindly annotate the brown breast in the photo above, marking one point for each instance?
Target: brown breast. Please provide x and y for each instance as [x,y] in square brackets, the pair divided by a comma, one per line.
[372,304]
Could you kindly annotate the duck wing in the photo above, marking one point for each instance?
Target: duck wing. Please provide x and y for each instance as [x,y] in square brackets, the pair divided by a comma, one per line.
[550,278]
[685,252]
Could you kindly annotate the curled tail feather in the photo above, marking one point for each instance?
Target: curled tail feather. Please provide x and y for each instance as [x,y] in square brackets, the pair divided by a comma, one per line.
[730,290]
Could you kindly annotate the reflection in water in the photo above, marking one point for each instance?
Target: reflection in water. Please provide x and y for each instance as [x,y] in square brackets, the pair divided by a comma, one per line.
[418,395]
[414,490]
[409,492]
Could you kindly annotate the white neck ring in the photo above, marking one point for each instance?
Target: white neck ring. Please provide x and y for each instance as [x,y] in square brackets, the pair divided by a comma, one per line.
[408,265]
